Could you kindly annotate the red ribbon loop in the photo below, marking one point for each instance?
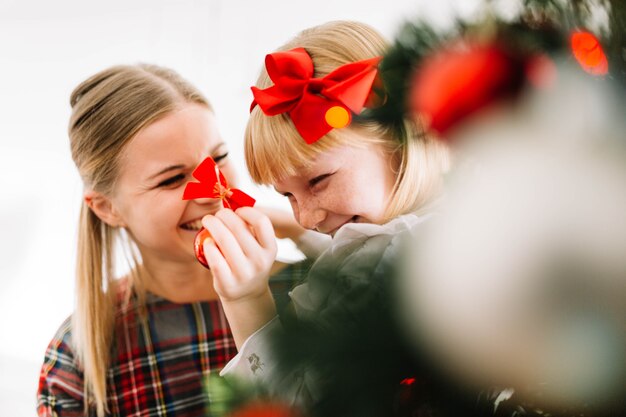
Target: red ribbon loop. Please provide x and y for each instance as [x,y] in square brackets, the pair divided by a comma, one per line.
[307,99]
[212,184]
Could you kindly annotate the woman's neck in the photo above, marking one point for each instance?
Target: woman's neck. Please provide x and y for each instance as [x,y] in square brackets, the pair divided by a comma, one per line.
[179,283]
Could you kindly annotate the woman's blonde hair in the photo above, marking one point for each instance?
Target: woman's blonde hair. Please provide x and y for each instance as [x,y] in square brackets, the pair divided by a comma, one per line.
[274,148]
[108,110]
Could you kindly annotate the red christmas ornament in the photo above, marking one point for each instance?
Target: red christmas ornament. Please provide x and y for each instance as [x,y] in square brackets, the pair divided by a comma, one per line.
[588,52]
[265,409]
[198,246]
[457,81]
[407,381]
[541,71]
[212,184]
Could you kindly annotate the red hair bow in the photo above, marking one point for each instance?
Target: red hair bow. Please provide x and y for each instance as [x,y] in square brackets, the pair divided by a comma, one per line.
[315,105]
[213,185]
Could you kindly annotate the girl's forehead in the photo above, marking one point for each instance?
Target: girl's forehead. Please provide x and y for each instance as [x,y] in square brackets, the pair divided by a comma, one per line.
[330,159]
[320,160]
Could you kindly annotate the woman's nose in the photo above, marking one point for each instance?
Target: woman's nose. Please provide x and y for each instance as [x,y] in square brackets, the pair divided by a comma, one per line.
[206,200]
[210,204]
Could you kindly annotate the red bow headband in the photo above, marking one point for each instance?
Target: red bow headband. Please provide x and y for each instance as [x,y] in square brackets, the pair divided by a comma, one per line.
[213,185]
[315,105]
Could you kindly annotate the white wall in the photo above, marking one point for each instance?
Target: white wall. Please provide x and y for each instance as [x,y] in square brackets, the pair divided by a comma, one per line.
[46,48]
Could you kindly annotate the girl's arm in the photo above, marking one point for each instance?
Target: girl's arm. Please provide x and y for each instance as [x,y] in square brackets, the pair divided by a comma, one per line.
[298,380]
[311,243]
[285,225]
[240,255]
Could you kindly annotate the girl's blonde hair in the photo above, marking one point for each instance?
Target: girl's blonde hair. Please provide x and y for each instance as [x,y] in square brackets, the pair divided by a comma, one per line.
[108,110]
[274,148]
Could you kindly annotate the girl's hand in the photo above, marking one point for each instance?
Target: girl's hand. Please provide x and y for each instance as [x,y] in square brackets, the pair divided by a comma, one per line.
[240,253]
[241,266]
[285,225]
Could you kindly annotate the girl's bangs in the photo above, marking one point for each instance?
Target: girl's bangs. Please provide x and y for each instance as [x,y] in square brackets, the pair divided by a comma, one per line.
[274,149]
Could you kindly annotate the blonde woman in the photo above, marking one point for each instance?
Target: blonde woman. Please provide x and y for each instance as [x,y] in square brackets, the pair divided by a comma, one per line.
[141,345]
[365,184]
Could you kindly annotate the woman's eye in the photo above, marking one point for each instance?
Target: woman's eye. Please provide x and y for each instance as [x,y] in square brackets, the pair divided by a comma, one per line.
[172,180]
[218,158]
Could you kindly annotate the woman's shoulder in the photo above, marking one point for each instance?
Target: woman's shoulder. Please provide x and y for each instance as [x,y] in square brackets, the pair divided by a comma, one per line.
[61,382]
[62,340]
[60,357]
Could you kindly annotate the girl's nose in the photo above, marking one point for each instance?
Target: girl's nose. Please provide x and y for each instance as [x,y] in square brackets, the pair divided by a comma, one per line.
[310,217]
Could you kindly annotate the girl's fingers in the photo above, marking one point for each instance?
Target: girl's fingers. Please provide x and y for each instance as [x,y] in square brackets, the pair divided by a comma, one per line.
[241,231]
[218,265]
[240,253]
[222,275]
[261,226]
[226,242]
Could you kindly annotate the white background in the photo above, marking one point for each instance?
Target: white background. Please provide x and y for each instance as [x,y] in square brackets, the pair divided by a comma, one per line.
[48,47]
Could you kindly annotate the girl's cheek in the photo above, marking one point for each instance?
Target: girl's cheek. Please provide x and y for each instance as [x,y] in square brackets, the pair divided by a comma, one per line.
[294,208]
[333,202]
[337,195]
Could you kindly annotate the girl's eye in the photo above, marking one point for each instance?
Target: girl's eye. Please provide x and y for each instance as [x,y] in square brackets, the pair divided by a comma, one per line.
[172,180]
[317,180]
[218,158]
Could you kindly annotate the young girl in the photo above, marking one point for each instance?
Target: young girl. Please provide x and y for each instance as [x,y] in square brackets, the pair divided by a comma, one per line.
[142,345]
[360,182]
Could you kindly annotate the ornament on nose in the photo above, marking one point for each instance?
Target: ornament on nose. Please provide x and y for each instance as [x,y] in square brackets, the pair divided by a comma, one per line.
[212,184]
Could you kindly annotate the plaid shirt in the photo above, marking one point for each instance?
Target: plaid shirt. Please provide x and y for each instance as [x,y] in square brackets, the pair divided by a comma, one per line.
[158,364]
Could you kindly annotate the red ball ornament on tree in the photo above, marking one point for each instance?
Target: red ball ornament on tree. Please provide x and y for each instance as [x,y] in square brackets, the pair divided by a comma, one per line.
[461,79]
[589,54]
[265,409]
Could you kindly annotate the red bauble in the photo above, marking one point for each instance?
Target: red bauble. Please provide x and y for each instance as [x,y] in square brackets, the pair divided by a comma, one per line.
[589,54]
[461,79]
[198,246]
[266,409]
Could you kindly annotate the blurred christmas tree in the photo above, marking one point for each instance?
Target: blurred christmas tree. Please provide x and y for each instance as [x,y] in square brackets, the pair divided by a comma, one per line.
[543,28]
[357,349]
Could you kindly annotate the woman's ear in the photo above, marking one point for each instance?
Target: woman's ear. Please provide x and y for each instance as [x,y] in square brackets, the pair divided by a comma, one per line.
[103,207]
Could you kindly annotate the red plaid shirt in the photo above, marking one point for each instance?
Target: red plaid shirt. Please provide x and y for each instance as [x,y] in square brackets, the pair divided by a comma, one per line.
[159,364]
